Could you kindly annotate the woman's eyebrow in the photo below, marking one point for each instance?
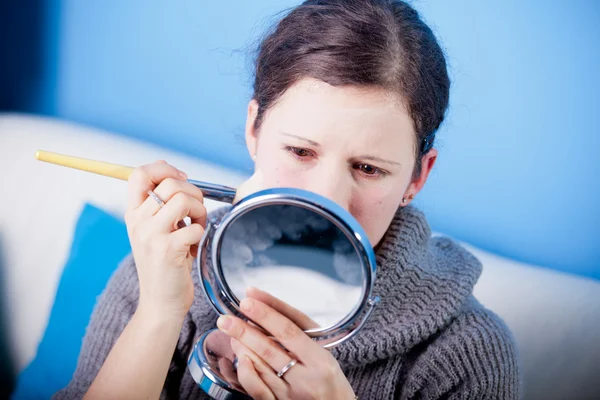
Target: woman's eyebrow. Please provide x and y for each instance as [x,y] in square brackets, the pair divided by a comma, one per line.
[300,138]
[379,159]
[369,158]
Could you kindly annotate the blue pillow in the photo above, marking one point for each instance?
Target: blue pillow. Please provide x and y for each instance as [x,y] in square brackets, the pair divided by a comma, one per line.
[99,244]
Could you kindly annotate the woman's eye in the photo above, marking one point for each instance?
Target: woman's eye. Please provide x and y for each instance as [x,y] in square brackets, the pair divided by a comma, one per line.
[299,152]
[369,170]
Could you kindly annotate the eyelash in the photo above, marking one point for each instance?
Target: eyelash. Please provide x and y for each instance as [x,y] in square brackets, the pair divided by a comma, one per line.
[379,173]
[296,150]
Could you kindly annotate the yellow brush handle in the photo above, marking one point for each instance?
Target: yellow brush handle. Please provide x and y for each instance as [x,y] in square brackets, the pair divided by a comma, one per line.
[96,167]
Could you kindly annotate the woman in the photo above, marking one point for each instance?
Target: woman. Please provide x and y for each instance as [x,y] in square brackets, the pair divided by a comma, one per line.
[347,98]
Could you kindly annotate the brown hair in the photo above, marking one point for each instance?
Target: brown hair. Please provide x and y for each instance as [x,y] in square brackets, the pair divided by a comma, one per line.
[372,43]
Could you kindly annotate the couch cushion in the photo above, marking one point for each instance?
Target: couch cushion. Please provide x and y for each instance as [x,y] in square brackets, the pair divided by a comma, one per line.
[99,244]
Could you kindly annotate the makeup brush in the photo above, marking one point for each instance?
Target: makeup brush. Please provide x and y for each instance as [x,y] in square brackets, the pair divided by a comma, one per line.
[211,191]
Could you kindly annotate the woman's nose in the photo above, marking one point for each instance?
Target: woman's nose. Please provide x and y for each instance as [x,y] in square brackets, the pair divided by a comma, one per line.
[333,186]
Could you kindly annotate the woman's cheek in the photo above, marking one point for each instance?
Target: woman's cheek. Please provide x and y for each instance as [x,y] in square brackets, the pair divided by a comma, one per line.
[280,175]
[374,210]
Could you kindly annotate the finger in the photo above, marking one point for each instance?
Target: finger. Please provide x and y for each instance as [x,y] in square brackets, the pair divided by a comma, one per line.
[298,317]
[251,381]
[180,206]
[285,331]
[188,236]
[278,386]
[147,178]
[264,347]
[165,190]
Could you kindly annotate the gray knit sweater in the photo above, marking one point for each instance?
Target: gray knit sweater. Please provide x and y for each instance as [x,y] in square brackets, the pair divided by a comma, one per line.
[428,339]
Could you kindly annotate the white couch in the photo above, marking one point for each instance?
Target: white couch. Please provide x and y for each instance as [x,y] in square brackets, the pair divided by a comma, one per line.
[555,317]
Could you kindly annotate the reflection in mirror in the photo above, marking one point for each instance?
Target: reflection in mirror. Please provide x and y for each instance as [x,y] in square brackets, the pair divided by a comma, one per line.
[302,263]
[220,358]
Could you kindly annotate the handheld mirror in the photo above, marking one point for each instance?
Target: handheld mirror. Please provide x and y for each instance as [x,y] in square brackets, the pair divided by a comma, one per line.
[307,254]
[303,252]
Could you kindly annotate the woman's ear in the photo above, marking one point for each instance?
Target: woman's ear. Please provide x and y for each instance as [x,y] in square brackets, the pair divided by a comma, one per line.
[419,181]
[251,134]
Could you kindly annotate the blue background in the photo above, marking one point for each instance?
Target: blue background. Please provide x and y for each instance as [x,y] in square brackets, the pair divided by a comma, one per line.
[518,167]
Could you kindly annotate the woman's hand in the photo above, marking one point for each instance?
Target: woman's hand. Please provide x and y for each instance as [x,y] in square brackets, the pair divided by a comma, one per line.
[316,375]
[138,363]
[163,252]
[301,320]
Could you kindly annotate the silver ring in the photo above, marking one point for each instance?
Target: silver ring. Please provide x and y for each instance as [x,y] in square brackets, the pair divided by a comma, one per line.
[287,367]
[156,198]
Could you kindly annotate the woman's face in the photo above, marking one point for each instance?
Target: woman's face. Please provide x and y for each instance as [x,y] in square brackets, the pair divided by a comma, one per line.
[355,146]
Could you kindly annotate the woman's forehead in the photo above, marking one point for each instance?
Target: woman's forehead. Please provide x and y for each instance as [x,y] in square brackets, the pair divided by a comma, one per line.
[320,94]
[318,111]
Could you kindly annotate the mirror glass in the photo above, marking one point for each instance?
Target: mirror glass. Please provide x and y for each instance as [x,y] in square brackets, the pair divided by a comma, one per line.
[301,262]
[220,358]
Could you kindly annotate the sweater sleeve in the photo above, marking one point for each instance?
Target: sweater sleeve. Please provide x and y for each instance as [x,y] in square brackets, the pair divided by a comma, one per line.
[113,311]
[474,358]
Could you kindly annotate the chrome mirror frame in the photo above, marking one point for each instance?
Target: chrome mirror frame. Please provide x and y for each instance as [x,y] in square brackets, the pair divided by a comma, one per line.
[223,300]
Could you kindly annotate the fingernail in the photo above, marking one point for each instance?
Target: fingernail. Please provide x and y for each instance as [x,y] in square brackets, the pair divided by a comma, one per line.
[224,322]
[247,304]
[182,174]
[246,360]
